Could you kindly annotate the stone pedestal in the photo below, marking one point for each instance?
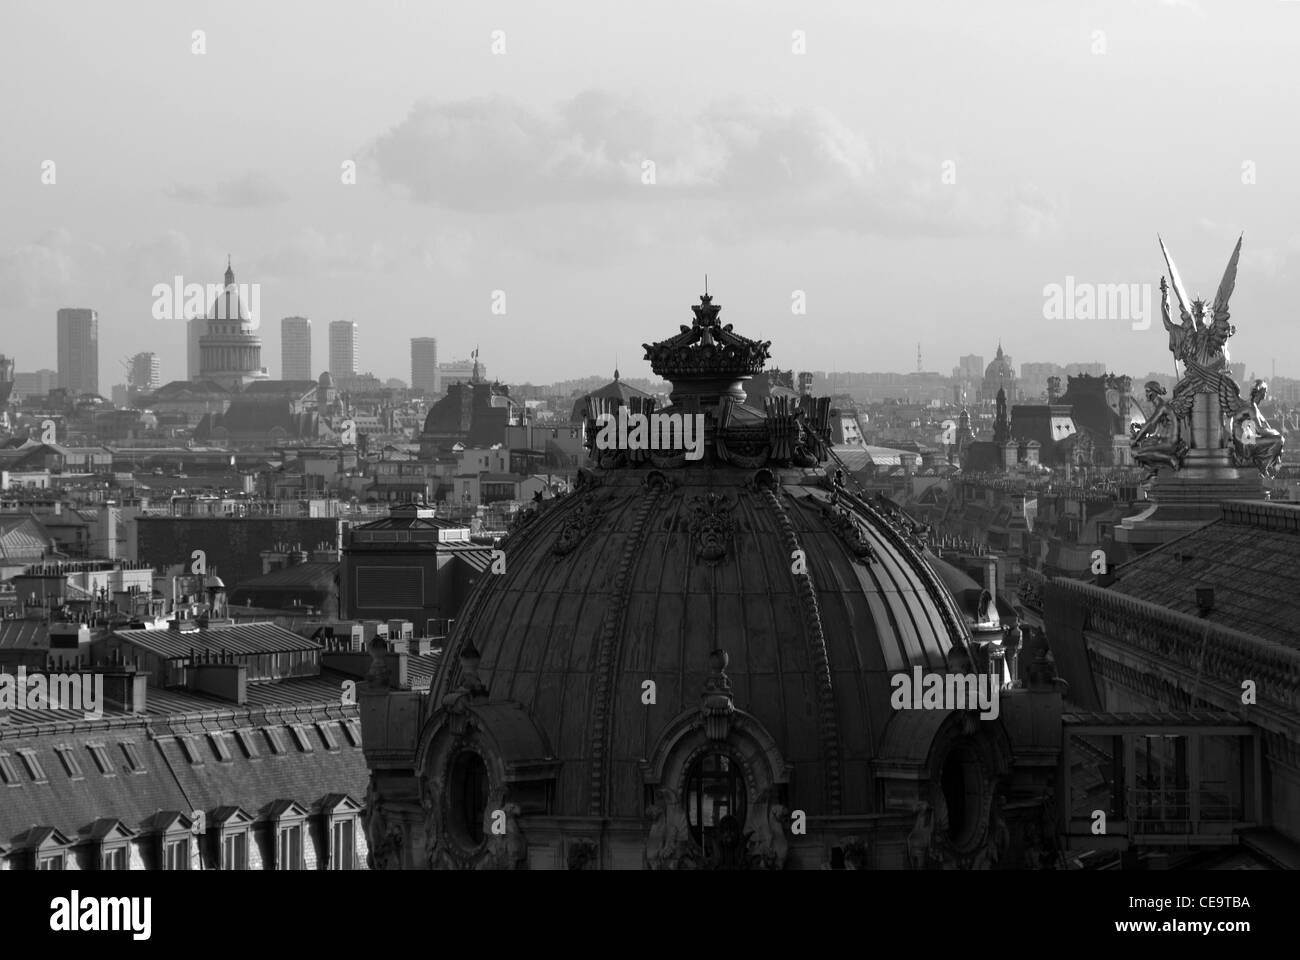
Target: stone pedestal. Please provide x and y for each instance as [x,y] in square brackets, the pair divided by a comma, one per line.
[1187,499]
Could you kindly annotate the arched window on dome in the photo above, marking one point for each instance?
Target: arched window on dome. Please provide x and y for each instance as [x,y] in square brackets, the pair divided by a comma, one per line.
[469,798]
[715,791]
[962,784]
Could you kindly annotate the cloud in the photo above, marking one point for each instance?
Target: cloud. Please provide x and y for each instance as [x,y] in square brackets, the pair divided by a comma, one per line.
[1032,214]
[727,167]
[53,267]
[251,189]
[311,253]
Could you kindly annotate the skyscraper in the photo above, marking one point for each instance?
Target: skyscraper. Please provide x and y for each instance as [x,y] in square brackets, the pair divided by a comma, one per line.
[343,349]
[295,349]
[144,374]
[424,364]
[78,350]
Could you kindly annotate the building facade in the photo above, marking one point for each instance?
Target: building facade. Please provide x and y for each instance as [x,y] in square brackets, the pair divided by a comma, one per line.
[78,350]
[424,365]
[295,349]
[343,349]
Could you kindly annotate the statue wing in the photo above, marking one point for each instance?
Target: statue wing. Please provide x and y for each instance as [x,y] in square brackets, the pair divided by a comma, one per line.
[1226,285]
[1177,282]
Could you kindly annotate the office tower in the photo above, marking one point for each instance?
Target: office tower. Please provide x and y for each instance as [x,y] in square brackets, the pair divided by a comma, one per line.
[424,364]
[78,350]
[343,349]
[6,377]
[295,349]
[144,373]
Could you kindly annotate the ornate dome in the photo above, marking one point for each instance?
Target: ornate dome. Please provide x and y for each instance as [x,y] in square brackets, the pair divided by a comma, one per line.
[677,628]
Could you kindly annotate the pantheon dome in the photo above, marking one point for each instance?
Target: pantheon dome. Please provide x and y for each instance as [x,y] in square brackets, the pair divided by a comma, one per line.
[686,664]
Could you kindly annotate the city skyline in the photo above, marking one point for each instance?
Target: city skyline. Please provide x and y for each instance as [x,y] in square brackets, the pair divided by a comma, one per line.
[899,201]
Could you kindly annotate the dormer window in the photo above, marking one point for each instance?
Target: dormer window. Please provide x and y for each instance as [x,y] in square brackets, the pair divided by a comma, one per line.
[289,847]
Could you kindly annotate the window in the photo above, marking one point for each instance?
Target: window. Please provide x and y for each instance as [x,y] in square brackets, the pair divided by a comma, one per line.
[963,789]
[100,756]
[341,844]
[352,732]
[33,765]
[715,790]
[52,861]
[219,746]
[290,852]
[234,850]
[327,735]
[469,792]
[190,749]
[113,858]
[69,761]
[132,753]
[300,737]
[176,854]
[276,740]
[8,772]
[247,743]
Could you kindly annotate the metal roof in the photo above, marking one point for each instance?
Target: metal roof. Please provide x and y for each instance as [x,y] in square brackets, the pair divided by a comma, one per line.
[244,638]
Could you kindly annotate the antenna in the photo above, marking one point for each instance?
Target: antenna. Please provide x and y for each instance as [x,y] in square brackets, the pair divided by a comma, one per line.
[706,284]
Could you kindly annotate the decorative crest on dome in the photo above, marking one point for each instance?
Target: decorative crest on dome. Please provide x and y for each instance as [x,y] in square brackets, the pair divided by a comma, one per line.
[712,526]
[716,702]
[707,349]
[580,522]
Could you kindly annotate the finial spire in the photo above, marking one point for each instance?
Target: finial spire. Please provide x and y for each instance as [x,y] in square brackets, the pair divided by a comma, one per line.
[706,284]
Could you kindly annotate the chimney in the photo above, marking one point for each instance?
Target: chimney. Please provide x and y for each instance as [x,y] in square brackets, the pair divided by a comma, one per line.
[124,684]
[1205,600]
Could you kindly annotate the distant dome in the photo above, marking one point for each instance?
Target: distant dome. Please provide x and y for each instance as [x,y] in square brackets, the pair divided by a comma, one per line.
[1000,368]
[326,381]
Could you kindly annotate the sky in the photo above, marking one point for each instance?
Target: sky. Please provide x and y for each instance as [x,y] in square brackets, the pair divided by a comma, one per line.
[551,181]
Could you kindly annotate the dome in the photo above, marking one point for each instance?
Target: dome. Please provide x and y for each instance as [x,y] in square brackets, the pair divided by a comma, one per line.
[1000,368]
[326,381]
[679,627]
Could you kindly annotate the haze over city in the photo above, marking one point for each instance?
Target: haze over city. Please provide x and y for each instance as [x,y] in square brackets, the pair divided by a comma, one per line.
[979,155]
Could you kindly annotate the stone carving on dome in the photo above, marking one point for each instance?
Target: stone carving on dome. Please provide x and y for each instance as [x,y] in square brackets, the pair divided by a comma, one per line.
[922,853]
[712,527]
[845,525]
[384,837]
[470,687]
[581,520]
[768,845]
[508,850]
[716,704]
[669,845]
[657,481]
[583,854]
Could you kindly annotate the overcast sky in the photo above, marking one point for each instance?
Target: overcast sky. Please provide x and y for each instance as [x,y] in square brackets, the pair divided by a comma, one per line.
[921,173]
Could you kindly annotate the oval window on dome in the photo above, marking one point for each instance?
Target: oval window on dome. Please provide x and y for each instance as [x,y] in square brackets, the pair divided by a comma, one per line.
[715,791]
[962,783]
[469,797]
